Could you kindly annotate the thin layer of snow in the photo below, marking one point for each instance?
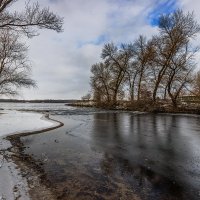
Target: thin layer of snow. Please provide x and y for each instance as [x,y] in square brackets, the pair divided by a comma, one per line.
[12,184]
[13,122]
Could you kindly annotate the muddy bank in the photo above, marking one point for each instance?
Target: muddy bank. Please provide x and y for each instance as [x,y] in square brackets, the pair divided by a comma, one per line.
[37,186]
[12,185]
[64,186]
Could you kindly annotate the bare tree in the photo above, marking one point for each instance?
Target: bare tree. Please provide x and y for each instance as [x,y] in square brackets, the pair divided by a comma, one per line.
[131,76]
[117,60]
[143,52]
[175,31]
[14,66]
[159,68]
[180,72]
[100,83]
[32,16]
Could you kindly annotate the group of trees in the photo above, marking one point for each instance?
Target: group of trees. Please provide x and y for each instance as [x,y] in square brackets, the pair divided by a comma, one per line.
[159,68]
[14,65]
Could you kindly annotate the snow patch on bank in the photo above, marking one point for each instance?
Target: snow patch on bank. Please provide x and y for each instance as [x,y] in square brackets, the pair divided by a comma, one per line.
[12,184]
[13,122]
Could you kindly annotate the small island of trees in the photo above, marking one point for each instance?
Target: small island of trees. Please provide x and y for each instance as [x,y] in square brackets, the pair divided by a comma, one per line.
[148,73]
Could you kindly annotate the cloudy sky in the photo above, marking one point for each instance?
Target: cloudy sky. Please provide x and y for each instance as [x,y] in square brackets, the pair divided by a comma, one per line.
[61,62]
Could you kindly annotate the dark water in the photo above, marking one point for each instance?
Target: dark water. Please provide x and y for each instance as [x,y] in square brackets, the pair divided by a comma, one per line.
[119,155]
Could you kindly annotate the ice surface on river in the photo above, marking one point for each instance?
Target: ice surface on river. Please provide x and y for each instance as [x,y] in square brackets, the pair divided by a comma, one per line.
[12,122]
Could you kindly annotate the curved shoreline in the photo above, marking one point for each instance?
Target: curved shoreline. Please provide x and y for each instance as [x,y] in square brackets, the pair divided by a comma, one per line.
[46,116]
[14,156]
[34,165]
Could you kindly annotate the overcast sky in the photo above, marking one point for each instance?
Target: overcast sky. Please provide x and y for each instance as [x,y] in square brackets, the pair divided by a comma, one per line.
[61,62]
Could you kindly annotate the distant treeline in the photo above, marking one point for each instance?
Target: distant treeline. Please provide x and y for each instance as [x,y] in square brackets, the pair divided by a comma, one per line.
[39,101]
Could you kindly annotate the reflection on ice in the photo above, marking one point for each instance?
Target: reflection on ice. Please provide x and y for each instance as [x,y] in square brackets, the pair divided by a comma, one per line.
[105,155]
[16,122]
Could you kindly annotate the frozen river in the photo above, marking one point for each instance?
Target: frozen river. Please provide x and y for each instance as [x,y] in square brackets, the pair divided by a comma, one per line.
[101,154]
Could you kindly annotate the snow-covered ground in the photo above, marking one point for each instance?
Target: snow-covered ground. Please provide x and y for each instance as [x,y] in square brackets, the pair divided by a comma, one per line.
[12,122]
[12,184]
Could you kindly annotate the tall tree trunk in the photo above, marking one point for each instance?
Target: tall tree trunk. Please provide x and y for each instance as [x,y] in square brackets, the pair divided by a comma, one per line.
[139,87]
[159,79]
[132,93]
[174,102]
[155,91]
[114,100]
[165,94]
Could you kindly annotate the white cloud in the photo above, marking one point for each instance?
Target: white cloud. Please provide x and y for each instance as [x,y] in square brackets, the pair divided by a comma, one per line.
[61,62]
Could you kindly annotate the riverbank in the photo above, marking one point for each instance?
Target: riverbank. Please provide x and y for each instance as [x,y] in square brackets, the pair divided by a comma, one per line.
[14,183]
[142,107]
[36,183]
